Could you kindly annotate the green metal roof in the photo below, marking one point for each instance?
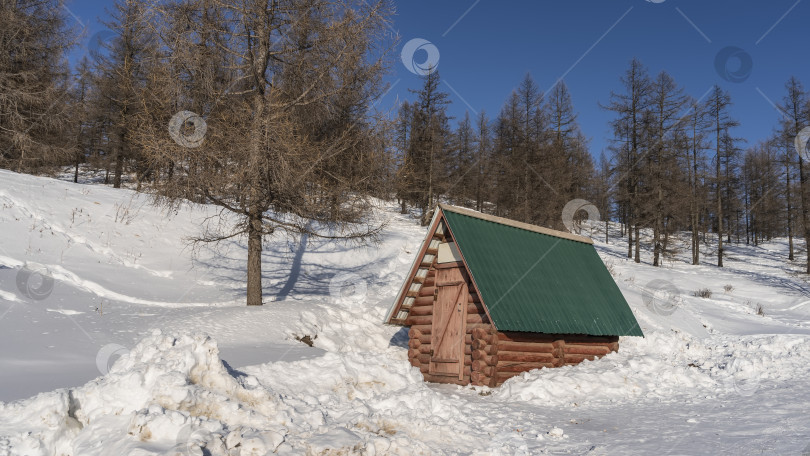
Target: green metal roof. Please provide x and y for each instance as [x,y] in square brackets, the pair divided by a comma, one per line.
[535,282]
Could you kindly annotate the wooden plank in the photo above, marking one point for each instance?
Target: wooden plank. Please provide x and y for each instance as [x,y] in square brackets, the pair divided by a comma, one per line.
[421,311]
[419,319]
[586,350]
[522,367]
[423,329]
[476,318]
[517,357]
[576,359]
[504,376]
[526,347]
[427,291]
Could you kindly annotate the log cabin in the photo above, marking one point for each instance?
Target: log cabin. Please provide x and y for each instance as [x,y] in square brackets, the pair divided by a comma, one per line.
[488,298]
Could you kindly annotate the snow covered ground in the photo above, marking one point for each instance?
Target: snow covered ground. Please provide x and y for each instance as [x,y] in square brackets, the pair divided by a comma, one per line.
[141,345]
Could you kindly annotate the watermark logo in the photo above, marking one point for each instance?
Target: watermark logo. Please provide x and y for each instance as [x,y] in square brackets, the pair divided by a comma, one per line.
[801,142]
[662,297]
[187,129]
[572,208]
[108,355]
[34,281]
[733,64]
[409,56]
[348,288]
[98,43]
[743,379]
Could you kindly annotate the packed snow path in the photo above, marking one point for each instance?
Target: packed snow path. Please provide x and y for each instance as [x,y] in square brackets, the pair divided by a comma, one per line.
[147,349]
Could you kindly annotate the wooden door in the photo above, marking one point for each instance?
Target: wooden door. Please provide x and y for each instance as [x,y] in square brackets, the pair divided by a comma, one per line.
[449,323]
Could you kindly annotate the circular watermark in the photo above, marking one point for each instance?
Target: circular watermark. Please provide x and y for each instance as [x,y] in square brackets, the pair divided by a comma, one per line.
[738,382]
[348,287]
[98,43]
[187,129]
[191,440]
[661,296]
[108,355]
[733,64]
[569,214]
[409,57]
[34,281]
[801,142]
[655,1]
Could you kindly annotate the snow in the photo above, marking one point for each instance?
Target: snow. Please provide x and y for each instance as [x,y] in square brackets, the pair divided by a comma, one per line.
[142,345]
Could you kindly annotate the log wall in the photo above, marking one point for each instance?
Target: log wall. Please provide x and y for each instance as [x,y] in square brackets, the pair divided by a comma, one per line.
[492,357]
[521,352]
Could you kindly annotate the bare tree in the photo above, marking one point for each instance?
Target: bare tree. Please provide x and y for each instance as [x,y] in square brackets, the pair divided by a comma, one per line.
[289,144]
[666,103]
[122,67]
[483,151]
[430,144]
[35,80]
[796,110]
[717,106]
[630,107]
[697,125]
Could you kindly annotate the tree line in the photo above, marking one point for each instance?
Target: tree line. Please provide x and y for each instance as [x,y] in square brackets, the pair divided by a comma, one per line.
[675,163]
[267,110]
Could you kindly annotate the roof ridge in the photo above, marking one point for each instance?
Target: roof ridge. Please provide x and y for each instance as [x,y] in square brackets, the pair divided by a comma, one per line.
[515,223]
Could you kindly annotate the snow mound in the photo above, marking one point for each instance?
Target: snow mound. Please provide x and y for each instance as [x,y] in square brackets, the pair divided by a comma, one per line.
[663,372]
[168,393]
[173,395]
[666,367]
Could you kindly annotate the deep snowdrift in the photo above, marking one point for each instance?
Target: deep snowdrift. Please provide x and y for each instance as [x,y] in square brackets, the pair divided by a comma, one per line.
[711,376]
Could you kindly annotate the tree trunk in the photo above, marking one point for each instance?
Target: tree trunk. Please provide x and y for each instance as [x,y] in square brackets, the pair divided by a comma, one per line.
[659,223]
[637,259]
[629,239]
[719,203]
[607,227]
[119,168]
[789,210]
[805,209]
[254,269]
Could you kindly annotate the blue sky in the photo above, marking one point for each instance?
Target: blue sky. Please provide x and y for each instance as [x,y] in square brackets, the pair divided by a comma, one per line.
[486,47]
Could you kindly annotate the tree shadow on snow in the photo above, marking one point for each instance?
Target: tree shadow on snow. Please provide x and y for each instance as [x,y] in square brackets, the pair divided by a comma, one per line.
[293,268]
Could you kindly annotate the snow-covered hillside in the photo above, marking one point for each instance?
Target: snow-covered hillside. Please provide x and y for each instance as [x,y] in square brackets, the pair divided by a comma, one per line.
[142,345]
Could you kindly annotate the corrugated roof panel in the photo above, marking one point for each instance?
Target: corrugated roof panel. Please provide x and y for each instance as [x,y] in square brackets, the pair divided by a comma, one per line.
[537,282]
